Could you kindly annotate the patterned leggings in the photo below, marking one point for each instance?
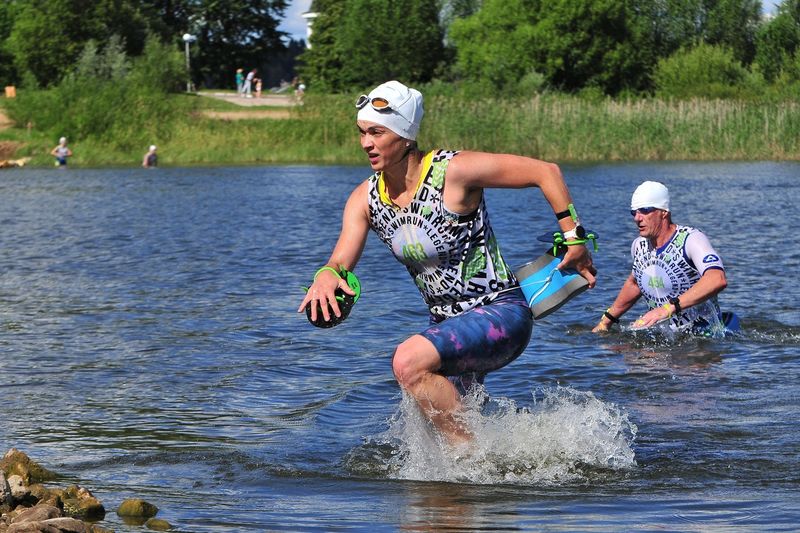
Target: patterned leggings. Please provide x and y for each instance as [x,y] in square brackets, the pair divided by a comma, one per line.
[483,339]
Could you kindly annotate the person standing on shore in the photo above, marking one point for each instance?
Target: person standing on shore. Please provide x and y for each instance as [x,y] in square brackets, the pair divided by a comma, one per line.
[429,208]
[150,158]
[248,83]
[675,268]
[61,152]
[239,80]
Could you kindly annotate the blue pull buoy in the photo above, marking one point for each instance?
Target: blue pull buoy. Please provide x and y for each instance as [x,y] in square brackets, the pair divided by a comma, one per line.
[546,288]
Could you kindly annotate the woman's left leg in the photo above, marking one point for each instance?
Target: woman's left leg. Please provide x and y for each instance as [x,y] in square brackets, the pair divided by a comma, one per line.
[474,343]
[415,365]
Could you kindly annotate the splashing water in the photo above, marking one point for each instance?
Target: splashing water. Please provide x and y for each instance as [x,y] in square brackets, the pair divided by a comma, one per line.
[567,436]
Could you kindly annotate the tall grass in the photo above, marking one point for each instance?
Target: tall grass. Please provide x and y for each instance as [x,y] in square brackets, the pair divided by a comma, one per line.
[566,128]
[322,132]
[553,127]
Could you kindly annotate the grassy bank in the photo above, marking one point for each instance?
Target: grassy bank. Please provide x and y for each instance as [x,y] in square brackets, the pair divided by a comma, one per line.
[554,127]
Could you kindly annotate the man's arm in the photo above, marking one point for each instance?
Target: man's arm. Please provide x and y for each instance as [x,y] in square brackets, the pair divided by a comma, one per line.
[628,295]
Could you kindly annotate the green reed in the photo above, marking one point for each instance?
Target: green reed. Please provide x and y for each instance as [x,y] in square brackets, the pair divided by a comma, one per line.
[564,128]
[553,127]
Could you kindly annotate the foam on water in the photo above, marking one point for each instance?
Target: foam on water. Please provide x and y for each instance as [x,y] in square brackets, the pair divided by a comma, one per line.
[566,436]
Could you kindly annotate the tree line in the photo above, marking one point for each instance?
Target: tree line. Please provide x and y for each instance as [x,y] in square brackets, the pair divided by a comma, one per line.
[716,48]
[41,40]
[712,48]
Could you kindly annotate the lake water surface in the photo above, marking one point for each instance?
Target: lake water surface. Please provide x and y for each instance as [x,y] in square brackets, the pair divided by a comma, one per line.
[149,347]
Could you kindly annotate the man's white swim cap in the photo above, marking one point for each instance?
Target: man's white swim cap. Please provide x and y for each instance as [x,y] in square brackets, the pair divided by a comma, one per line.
[651,194]
[152,147]
[403,114]
[62,140]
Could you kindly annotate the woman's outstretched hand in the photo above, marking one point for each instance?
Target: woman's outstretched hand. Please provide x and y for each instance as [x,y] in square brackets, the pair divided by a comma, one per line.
[322,295]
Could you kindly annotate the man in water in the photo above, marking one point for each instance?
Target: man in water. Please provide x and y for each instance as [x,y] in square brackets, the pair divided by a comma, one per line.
[150,158]
[61,152]
[675,268]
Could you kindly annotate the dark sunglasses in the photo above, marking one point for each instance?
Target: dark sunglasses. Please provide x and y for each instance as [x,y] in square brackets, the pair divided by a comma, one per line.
[377,103]
[643,211]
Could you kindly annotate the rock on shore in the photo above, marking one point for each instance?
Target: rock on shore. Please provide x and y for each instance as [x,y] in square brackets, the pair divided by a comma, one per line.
[27,506]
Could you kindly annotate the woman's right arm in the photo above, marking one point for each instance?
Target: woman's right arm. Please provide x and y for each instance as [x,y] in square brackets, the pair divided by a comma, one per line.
[346,253]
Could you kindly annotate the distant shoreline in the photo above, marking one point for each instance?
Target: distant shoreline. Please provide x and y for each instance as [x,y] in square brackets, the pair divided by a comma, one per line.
[560,128]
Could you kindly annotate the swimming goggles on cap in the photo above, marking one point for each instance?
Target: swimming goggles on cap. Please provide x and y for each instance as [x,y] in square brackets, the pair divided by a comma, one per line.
[378,103]
[643,211]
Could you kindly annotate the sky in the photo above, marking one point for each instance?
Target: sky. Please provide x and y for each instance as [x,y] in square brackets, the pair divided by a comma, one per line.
[769,5]
[295,25]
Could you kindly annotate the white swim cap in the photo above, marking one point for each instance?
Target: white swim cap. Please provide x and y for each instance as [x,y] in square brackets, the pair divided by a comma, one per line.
[403,113]
[62,140]
[651,194]
[152,147]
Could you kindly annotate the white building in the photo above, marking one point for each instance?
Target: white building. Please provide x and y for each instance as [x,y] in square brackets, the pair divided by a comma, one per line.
[309,16]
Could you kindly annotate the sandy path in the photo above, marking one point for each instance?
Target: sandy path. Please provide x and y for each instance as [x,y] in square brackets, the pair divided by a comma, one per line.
[268,99]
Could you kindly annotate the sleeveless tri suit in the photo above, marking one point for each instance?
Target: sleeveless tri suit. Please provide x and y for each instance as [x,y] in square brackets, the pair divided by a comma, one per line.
[669,271]
[456,264]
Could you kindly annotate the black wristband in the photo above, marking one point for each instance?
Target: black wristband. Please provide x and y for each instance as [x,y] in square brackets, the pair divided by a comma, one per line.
[677,303]
[563,214]
[612,318]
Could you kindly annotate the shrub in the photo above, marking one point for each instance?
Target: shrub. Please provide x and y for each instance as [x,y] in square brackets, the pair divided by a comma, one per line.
[109,97]
[702,71]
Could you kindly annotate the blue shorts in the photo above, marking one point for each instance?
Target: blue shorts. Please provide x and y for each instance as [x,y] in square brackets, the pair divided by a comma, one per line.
[483,339]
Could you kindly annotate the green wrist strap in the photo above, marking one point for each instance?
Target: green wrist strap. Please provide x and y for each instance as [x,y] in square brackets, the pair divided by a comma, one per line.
[558,239]
[572,213]
[326,267]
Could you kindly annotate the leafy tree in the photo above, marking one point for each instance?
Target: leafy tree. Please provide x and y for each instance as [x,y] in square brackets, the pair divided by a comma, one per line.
[109,64]
[674,24]
[322,62]
[733,23]
[8,74]
[613,45]
[109,96]
[572,43]
[48,35]
[169,18]
[160,67]
[232,34]
[779,40]
[364,42]
[701,71]
[417,41]
[670,23]
[124,19]
[496,44]
[453,10]
[584,43]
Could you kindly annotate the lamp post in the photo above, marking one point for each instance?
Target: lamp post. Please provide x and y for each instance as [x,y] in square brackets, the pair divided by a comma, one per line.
[188,38]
